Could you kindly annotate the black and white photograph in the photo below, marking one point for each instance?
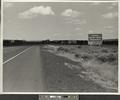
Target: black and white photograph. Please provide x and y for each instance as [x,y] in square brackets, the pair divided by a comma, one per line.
[60,47]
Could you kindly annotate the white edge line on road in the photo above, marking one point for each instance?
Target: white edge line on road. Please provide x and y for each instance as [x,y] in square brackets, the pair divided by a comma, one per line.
[16,55]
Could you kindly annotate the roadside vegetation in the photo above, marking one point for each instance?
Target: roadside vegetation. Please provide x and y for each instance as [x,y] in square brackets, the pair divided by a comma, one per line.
[100,62]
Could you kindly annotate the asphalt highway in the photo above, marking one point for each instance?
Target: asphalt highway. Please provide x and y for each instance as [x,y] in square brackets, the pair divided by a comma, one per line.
[33,69]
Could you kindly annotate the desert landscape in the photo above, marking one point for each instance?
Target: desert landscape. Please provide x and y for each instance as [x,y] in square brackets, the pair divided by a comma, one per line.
[98,63]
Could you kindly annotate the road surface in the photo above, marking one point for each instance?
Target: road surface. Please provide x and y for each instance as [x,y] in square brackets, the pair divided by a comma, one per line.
[33,69]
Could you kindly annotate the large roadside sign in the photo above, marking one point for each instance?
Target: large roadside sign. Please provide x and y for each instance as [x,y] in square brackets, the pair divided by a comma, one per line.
[94,39]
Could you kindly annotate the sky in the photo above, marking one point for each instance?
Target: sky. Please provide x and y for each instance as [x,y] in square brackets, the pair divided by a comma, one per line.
[59,20]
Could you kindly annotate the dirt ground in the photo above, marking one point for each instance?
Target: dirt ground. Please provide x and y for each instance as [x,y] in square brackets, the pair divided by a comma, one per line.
[100,62]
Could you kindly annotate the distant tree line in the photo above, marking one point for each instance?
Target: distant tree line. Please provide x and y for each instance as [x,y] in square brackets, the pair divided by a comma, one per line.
[110,41]
[55,42]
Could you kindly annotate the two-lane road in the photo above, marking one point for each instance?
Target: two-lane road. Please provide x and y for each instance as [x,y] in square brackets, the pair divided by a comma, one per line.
[33,69]
[24,72]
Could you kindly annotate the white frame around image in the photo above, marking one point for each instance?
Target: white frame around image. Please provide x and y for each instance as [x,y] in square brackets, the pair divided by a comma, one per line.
[59,93]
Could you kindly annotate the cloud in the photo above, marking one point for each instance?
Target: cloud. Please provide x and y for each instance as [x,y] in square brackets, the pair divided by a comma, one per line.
[7,4]
[95,3]
[76,21]
[70,13]
[110,15]
[35,11]
[108,27]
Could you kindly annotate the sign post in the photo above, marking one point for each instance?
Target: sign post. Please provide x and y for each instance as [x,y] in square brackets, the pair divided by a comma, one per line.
[95,39]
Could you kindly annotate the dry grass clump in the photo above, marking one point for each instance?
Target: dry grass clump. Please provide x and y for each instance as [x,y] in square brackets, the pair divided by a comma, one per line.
[62,49]
[104,51]
[77,55]
[84,57]
[79,47]
[108,58]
